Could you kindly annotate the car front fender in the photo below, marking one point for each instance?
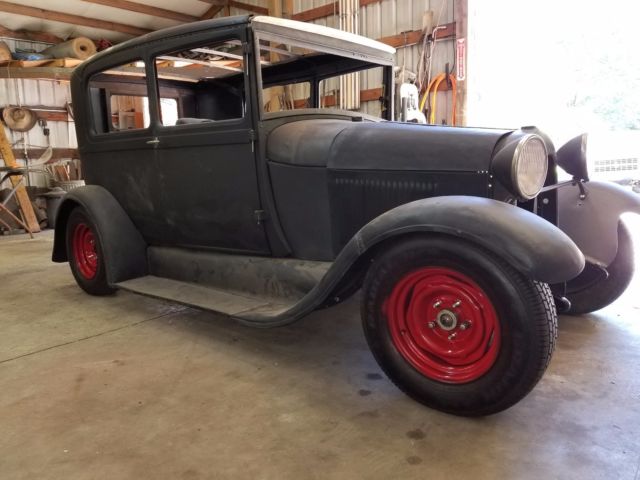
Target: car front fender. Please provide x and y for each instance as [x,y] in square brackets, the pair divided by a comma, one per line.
[592,221]
[529,243]
[124,249]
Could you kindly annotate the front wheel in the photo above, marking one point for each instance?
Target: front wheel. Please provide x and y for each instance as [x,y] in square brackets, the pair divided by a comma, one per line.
[84,252]
[592,289]
[455,327]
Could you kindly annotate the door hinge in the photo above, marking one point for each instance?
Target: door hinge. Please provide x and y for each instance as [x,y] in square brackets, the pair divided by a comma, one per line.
[260,216]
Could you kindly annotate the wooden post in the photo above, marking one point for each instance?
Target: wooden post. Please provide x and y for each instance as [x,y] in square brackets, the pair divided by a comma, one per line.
[287,11]
[21,193]
[461,15]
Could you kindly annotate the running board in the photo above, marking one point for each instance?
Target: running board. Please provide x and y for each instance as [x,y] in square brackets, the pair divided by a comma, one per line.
[228,303]
[259,291]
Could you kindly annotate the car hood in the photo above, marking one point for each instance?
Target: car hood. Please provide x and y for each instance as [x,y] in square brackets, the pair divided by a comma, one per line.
[356,145]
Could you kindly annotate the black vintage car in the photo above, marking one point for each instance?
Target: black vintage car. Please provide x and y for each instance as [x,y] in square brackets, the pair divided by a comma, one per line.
[232,165]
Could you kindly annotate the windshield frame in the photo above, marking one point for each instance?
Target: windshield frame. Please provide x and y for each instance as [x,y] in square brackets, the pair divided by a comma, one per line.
[353,54]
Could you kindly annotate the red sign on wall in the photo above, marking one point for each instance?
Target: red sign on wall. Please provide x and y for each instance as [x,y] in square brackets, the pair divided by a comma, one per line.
[461,59]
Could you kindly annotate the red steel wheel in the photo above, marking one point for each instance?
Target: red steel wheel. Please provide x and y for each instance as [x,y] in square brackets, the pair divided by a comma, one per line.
[85,254]
[84,251]
[455,326]
[443,324]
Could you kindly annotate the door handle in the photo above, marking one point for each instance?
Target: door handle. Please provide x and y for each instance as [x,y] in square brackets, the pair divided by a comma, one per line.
[155,141]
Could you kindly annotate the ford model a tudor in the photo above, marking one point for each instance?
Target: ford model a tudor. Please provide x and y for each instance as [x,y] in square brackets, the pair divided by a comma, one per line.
[231,167]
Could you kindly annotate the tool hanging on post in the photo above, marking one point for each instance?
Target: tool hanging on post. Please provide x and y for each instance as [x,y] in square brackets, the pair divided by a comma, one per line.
[22,196]
[432,90]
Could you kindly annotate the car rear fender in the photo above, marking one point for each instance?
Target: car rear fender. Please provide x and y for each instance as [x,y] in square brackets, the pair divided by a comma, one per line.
[592,220]
[124,249]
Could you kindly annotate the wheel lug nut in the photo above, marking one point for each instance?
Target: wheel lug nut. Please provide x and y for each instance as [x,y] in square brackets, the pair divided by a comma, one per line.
[465,325]
[457,303]
[437,304]
[452,336]
[431,324]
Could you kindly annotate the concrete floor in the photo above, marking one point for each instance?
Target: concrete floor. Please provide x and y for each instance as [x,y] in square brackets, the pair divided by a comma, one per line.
[128,387]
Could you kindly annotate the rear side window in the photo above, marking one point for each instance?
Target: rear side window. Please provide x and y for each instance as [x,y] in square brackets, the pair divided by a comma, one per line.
[119,98]
[205,82]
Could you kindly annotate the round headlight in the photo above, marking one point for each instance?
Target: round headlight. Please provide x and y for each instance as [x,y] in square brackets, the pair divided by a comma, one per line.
[529,167]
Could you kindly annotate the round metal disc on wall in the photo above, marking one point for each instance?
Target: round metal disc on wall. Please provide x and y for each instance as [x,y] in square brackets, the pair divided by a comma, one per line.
[19,119]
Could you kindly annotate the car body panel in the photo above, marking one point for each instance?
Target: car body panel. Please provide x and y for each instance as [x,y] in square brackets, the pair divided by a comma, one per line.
[592,221]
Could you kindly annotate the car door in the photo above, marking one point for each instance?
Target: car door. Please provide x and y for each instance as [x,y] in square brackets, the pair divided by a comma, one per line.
[119,151]
[205,144]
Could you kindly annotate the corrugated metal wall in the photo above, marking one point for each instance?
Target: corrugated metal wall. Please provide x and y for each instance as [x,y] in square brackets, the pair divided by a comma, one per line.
[393,17]
[27,92]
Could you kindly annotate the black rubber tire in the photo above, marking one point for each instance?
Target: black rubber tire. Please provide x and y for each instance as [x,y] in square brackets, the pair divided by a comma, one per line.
[98,284]
[590,294]
[525,309]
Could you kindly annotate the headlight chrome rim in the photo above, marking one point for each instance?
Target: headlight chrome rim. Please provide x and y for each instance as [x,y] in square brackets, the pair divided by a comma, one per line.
[519,156]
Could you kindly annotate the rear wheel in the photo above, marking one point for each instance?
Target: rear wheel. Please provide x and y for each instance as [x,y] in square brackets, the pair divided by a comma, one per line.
[455,327]
[84,252]
[593,289]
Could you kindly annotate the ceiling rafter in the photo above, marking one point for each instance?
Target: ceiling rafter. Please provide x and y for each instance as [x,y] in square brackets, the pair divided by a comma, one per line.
[29,35]
[146,9]
[212,12]
[34,12]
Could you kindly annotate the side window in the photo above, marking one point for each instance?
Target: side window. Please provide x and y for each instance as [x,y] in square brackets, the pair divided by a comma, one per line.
[119,98]
[278,96]
[202,84]
[287,97]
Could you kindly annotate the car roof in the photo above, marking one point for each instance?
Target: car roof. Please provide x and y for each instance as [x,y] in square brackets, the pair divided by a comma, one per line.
[341,43]
[313,35]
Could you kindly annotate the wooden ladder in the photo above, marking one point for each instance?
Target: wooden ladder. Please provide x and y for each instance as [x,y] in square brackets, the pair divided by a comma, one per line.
[22,196]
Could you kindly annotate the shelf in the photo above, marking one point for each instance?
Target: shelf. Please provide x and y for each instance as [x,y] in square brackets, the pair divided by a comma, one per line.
[37,73]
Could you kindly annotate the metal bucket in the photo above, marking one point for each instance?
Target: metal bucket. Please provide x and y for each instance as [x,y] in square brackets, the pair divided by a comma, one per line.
[68,185]
[54,199]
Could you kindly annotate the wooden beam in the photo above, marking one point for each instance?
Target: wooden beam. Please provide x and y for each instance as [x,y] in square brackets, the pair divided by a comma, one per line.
[146,9]
[21,193]
[52,115]
[316,13]
[56,154]
[325,11]
[249,8]
[275,8]
[27,35]
[403,39]
[241,5]
[447,30]
[211,12]
[34,12]
[370,95]
[38,73]
[460,15]
[287,9]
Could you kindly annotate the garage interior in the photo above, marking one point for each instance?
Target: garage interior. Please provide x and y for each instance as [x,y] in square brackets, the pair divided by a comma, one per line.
[128,386]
